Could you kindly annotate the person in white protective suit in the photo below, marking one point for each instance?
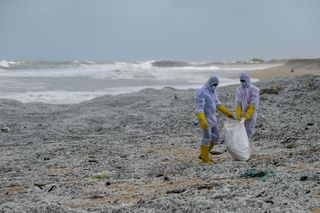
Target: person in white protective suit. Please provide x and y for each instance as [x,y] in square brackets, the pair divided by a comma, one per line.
[247,103]
[206,104]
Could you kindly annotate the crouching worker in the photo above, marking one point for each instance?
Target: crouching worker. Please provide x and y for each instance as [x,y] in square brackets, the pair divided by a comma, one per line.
[247,103]
[206,104]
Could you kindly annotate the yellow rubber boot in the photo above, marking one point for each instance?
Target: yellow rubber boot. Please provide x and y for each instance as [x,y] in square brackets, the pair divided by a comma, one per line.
[210,148]
[204,154]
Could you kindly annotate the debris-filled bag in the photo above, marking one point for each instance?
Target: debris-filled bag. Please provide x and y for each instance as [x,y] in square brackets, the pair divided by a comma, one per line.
[236,139]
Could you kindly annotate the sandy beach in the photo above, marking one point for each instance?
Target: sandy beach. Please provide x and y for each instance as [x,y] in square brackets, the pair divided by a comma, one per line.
[138,152]
[290,69]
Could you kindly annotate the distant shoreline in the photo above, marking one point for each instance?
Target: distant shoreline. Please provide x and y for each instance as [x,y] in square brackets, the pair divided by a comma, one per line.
[282,71]
[291,68]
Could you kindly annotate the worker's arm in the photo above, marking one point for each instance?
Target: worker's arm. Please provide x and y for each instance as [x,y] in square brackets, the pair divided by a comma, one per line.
[200,103]
[225,111]
[203,120]
[250,112]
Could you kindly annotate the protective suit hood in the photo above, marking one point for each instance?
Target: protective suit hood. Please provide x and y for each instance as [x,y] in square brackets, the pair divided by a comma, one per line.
[245,76]
[212,80]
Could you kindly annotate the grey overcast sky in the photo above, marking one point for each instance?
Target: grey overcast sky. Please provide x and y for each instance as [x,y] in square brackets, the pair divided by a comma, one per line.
[126,30]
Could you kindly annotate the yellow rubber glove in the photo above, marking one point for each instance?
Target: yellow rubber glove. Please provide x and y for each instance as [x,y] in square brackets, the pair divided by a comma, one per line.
[203,121]
[249,112]
[238,112]
[225,111]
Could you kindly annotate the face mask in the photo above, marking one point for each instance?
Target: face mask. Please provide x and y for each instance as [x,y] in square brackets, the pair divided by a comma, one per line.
[213,88]
[244,84]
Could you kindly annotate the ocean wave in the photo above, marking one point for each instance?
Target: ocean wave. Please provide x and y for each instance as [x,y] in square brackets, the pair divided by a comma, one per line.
[52,97]
[72,97]
[7,64]
[142,71]
[35,65]
[116,70]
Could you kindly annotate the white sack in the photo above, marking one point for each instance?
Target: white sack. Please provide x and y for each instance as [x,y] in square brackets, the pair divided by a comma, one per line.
[236,139]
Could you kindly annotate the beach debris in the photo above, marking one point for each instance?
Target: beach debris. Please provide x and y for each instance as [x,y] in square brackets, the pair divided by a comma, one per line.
[108,183]
[5,129]
[42,186]
[96,196]
[140,202]
[215,152]
[207,186]
[176,191]
[303,178]
[254,173]
[288,140]
[308,125]
[53,187]
[290,146]
[260,194]
[276,163]
[98,129]
[6,169]
[39,185]
[204,187]
[274,89]
[269,201]
[100,176]
[166,178]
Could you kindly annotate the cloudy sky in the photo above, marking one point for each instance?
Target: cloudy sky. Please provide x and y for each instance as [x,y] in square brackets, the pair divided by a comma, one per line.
[126,30]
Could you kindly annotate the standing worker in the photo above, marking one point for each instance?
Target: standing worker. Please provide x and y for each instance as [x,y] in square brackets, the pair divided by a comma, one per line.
[206,104]
[247,103]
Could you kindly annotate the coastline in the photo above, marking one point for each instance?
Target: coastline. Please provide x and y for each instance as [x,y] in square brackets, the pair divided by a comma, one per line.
[139,152]
[291,68]
[283,71]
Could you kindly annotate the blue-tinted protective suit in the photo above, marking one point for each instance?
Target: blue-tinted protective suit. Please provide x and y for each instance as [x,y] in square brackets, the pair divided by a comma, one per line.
[206,101]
